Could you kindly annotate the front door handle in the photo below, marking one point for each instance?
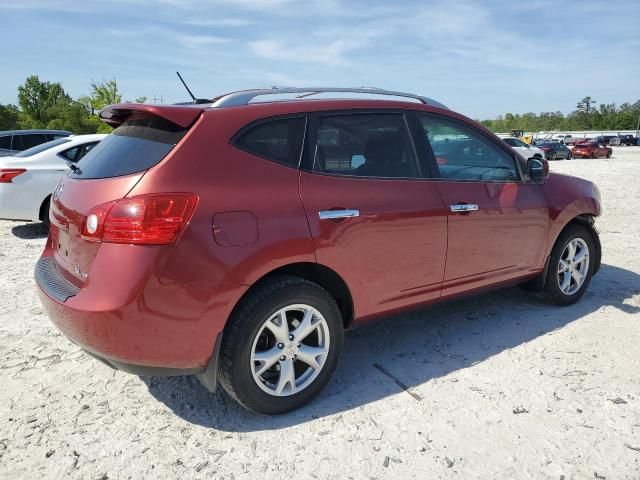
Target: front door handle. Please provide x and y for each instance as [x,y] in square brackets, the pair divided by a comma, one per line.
[336,214]
[464,207]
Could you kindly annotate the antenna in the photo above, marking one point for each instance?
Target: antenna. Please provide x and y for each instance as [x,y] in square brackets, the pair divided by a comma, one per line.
[193,97]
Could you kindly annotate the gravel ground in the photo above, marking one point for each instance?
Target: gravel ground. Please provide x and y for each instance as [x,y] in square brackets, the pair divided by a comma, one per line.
[499,386]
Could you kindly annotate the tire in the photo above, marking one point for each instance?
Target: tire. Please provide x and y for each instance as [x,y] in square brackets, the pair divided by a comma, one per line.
[609,154]
[44,213]
[553,288]
[249,333]
[569,155]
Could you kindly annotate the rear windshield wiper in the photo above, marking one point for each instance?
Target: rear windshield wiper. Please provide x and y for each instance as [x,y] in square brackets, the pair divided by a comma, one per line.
[74,168]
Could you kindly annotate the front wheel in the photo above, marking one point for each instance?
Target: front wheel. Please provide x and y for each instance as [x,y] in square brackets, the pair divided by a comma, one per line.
[608,154]
[570,265]
[281,345]
[569,155]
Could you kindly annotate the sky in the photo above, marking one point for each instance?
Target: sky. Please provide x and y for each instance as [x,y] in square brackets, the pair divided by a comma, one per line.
[479,58]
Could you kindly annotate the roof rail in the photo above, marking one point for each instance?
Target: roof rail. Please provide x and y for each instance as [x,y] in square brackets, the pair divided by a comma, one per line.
[244,97]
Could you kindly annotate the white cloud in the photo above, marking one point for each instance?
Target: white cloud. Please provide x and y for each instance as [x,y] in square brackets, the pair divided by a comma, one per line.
[190,41]
[219,22]
[332,53]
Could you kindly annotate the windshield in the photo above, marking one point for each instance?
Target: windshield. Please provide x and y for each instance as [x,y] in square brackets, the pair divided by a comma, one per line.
[42,147]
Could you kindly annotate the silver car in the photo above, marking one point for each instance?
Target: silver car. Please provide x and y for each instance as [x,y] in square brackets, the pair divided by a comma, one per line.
[15,141]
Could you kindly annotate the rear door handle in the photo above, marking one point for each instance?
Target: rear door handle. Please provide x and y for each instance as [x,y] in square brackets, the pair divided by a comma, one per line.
[334,214]
[464,207]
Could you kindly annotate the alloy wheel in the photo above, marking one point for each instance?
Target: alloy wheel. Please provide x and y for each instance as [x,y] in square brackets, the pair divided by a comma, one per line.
[290,350]
[573,266]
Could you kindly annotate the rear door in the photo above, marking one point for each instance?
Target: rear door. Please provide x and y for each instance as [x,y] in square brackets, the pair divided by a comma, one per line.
[497,223]
[373,216]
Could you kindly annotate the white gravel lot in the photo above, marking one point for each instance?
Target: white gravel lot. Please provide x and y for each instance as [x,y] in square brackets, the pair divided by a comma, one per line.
[499,386]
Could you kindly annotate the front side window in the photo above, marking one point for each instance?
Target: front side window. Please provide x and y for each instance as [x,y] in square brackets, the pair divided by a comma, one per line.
[464,154]
[365,145]
[279,140]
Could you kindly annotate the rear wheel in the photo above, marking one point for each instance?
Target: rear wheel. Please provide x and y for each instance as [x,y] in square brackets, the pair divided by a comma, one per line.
[570,265]
[569,155]
[44,212]
[609,153]
[281,345]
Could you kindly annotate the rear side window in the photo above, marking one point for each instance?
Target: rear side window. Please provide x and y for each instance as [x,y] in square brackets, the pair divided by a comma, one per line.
[278,140]
[5,142]
[374,145]
[135,146]
[33,139]
[17,144]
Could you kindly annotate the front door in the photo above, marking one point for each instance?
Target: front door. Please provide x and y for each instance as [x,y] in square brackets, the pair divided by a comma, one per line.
[497,223]
[373,218]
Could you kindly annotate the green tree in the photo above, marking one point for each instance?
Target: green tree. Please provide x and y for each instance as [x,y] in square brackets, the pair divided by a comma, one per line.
[37,99]
[9,116]
[102,94]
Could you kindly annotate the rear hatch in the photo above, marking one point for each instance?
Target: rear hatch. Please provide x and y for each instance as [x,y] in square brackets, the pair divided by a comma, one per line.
[143,137]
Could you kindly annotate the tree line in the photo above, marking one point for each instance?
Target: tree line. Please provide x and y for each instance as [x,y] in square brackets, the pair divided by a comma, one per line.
[587,116]
[43,104]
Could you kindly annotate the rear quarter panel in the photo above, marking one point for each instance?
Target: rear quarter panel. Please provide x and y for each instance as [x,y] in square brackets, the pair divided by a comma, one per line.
[228,180]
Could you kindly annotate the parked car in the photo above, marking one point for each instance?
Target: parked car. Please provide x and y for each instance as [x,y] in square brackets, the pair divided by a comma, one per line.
[555,151]
[614,142]
[236,240]
[575,140]
[15,141]
[524,149]
[28,178]
[628,140]
[604,139]
[591,150]
[562,137]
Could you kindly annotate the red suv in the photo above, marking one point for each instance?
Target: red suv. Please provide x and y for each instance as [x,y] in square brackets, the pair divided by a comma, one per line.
[591,150]
[236,240]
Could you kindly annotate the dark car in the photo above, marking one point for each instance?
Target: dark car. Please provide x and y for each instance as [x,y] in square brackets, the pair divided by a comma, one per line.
[236,240]
[15,141]
[555,150]
[591,150]
[628,140]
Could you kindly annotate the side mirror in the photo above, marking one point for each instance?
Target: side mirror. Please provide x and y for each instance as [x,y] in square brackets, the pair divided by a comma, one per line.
[538,169]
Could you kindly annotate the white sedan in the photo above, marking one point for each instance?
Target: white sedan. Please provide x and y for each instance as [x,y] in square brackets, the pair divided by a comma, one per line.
[524,149]
[28,178]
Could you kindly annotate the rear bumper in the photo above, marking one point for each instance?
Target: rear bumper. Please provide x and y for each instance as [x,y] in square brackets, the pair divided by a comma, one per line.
[161,330]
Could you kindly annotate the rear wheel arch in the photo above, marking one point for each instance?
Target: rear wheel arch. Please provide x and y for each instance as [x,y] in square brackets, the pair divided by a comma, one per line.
[319,274]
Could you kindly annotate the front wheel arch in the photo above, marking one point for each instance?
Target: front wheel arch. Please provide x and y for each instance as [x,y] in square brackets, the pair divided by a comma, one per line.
[537,284]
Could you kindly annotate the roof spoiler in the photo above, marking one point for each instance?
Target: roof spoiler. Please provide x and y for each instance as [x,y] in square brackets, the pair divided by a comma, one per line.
[182,115]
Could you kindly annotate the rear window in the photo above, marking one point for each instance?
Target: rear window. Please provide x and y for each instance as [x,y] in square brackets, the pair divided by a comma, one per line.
[135,146]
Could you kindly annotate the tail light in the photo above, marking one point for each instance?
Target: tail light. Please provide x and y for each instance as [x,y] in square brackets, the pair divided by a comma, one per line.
[156,219]
[7,174]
